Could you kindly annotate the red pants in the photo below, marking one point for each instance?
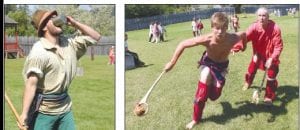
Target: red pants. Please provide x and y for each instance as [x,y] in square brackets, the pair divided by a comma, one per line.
[203,92]
[112,59]
[271,77]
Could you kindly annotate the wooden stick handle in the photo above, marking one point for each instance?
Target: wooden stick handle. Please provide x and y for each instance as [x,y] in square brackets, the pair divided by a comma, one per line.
[13,109]
[263,80]
[144,99]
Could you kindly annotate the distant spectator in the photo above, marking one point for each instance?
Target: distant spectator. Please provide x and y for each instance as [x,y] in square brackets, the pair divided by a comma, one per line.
[278,13]
[162,31]
[151,31]
[294,12]
[200,26]
[289,10]
[111,55]
[194,27]
[156,33]
[275,12]
[137,61]
[235,23]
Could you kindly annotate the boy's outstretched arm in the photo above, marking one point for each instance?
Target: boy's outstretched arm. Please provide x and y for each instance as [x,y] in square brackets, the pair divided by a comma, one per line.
[241,45]
[180,48]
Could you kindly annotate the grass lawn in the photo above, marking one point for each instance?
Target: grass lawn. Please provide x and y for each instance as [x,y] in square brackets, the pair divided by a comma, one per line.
[93,94]
[171,101]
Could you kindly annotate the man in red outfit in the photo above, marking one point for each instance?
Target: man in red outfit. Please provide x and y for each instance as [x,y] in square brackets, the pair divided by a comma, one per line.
[267,46]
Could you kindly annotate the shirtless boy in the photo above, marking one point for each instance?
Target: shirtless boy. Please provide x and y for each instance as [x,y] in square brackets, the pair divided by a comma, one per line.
[213,64]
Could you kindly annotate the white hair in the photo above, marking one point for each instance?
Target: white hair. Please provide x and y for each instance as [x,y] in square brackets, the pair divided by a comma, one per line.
[264,9]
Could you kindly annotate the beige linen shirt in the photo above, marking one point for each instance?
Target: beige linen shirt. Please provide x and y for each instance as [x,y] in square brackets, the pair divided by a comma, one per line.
[55,67]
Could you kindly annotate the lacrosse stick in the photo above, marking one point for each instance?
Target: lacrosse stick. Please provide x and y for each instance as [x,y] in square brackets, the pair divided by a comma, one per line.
[142,107]
[13,109]
[256,93]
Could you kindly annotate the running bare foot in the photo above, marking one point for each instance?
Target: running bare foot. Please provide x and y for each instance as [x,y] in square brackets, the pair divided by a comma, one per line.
[268,102]
[190,125]
[246,86]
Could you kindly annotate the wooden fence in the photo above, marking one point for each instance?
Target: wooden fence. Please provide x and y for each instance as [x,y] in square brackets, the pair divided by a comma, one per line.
[143,23]
[102,48]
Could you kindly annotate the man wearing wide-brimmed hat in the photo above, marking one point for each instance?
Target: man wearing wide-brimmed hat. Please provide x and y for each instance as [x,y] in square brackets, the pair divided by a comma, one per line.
[49,70]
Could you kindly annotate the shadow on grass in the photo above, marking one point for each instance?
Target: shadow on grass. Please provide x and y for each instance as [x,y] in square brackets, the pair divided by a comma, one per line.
[285,94]
[160,42]
[168,40]
[147,65]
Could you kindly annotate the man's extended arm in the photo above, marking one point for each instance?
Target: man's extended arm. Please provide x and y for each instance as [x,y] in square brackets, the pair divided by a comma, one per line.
[86,30]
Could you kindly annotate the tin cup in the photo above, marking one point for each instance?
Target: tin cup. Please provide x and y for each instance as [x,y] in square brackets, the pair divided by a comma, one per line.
[59,20]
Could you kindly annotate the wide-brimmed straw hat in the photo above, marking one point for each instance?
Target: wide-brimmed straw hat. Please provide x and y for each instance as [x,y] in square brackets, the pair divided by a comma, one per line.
[40,19]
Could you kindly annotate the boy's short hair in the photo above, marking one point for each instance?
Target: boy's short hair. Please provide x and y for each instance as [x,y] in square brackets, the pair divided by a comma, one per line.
[219,19]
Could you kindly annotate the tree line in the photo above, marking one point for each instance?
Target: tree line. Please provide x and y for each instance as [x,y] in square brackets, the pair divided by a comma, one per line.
[99,17]
[139,11]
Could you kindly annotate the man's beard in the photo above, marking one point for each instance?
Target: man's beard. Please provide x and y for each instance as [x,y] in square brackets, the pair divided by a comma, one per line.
[55,31]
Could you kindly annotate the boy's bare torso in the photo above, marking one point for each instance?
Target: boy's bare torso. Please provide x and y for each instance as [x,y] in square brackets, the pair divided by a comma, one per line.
[218,50]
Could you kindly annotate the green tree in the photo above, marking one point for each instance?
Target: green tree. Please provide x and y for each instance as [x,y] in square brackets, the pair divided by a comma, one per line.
[20,15]
[138,11]
[237,8]
[103,19]
[9,8]
[99,17]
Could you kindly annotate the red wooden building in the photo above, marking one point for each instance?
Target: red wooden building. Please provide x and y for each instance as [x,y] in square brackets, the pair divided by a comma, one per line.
[11,48]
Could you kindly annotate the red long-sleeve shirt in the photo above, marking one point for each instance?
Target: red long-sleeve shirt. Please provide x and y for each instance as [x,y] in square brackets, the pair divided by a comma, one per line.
[267,43]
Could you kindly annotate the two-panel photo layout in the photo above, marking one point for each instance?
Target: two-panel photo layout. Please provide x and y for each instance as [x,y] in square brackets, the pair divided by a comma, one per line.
[186,66]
